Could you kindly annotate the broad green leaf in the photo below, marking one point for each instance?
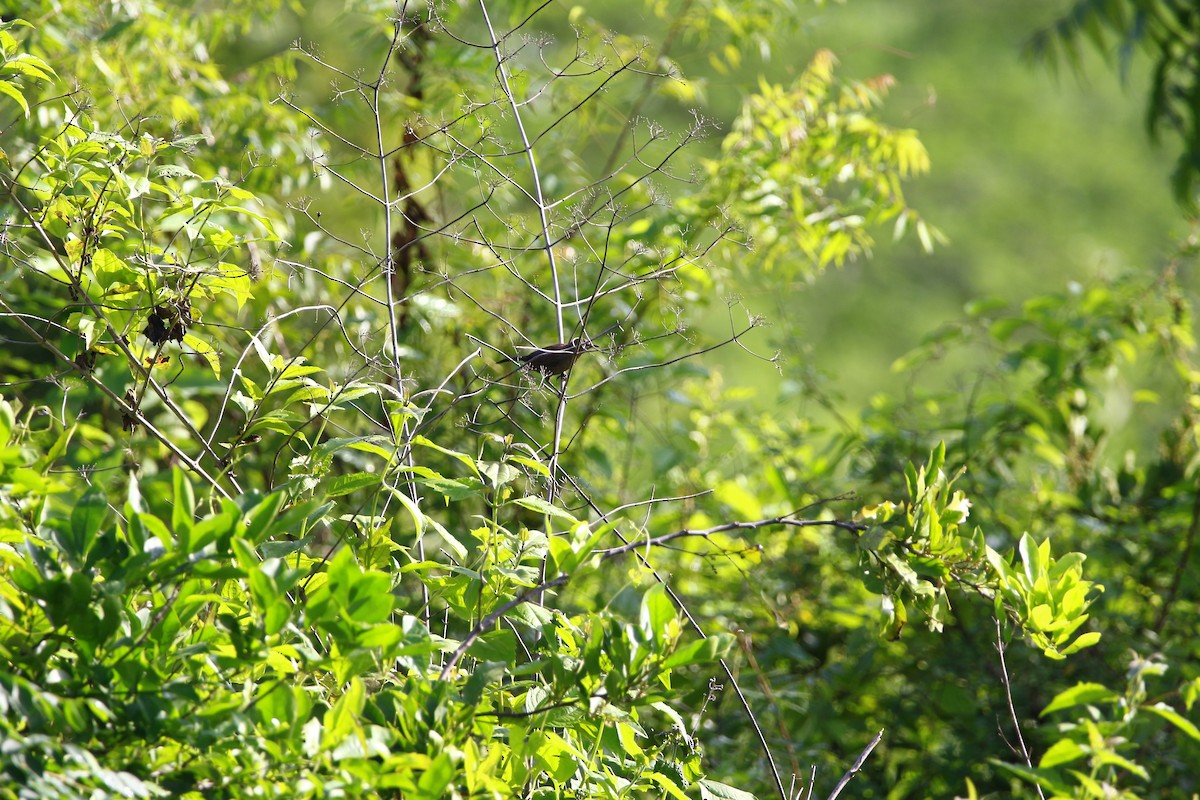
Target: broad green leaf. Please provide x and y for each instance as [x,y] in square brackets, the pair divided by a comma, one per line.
[262,515]
[542,507]
[668,785]
[715,790]
[433,782]
[1031,558]
[497,646]
[701,651]
[1047,779]
[56,450]
[1080,694]
[485,674]
[454,490]
[1175,718]
[1083,640]
[533,464]
[1093,787]
[109,269]
[8,420]
[205,351]
[234,280]
[498,473]
[657,614]
[217,527]
[342,719]
[345,484]
[577,552]
[418,516]
[462,457]
[86,518]
[369,598]
[183,509]
[1117,760]
[1064,751]
[627,736]
[7,88]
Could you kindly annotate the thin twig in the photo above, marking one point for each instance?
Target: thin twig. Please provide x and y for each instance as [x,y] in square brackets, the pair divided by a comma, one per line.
[786,520]
[490,620]
[683,609]
[857,766]
[764,685]
[502,72]
[1012,710]
[1181,566]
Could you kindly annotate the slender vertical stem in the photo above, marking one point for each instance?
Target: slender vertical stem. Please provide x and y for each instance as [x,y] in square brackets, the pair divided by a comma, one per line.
[539,199]
[1181,567]
[404,435]
[857,766]
[502,71]
[386,194]
[1012,710]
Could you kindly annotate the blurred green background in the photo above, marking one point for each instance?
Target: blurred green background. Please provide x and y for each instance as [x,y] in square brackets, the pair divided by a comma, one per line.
[1038,179]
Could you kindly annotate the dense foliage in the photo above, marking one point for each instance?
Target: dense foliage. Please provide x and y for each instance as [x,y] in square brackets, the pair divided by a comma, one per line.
[295,501]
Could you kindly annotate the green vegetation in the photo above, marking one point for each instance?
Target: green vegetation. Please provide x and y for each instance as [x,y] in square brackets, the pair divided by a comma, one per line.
[294,501]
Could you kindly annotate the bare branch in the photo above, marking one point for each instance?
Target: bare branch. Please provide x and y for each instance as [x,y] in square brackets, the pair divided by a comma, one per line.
[857,766]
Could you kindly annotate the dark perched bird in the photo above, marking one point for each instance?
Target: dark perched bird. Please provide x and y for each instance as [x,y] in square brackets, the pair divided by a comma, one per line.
[556,359]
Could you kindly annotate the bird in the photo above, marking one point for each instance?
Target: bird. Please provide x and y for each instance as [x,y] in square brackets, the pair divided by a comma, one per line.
[556,359]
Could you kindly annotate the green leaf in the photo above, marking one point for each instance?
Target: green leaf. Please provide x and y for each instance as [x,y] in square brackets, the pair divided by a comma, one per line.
[433,782]
[1031,558]
[342,719]
[656,615]
[418,516]
[234,280]
[205,351]
[8,420]
[1116,760]
[369,598]
[454,490]
[86,518]
[715,790]
[700,651]
[463,457]
[10,90]
[262,515]
[1064,751]
[218,527]
[1083,640]
[497,473]
[56,450]
[1090,785]
[1080,694]
[542,507]
[183,509]
[497,646]
[1175,718]
[668,785]
[110,270]
[571,555]
[30,66]
[532,464]
[152,528]
[485,674]
[1044,778]
[345,484]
